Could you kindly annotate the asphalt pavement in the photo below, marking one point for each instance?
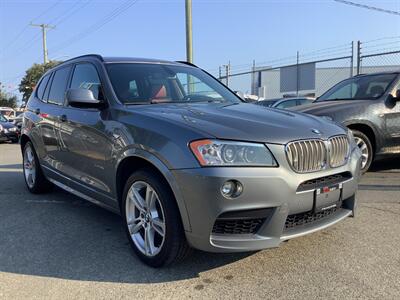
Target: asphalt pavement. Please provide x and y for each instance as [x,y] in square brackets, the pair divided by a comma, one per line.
[57,246]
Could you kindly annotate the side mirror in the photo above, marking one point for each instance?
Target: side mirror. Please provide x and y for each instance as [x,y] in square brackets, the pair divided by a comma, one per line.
[82,98]
[397,95]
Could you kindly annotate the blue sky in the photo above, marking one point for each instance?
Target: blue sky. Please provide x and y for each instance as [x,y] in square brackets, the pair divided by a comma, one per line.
[239,31]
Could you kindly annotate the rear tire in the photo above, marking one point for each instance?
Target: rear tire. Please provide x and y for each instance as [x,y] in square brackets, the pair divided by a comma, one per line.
[155,229]
[367,151]
[35,180]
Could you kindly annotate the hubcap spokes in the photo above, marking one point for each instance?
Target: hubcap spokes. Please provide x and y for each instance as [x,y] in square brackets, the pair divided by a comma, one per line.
[364,151]
[145,218]
[29,167]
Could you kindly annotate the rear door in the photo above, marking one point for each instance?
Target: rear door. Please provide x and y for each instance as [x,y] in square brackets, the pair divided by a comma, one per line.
[85,147]
[50,114]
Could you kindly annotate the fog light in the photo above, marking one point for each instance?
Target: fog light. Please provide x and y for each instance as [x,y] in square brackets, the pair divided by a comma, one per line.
[231,189]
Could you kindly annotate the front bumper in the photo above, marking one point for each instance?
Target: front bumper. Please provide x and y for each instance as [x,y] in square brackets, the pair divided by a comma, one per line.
[275,190]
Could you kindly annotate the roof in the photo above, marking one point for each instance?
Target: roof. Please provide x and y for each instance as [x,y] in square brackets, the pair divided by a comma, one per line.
[109,59]
[377,73]
[136,59]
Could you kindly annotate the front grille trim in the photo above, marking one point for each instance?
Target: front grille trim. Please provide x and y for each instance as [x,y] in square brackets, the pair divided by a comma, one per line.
[338,150]
[305,156]
[313,155]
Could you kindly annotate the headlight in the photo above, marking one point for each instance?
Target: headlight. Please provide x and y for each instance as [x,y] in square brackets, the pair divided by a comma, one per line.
[227,153]
[1,128]
[12,129]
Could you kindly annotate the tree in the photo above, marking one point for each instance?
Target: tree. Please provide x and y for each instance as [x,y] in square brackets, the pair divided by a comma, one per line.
[32,77]
[7,100]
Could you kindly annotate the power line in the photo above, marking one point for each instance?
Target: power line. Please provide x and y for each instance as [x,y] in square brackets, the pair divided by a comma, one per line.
[27,26]
[98,25]
[397,13]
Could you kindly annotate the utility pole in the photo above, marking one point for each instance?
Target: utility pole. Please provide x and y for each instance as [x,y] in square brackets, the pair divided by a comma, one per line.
[189,45]
[352,59]
[297,74]
[227,72]
[358,57]
[44,30]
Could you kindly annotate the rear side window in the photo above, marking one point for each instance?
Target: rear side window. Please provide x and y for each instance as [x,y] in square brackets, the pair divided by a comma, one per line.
[42,87]
[58,86]
[85,77]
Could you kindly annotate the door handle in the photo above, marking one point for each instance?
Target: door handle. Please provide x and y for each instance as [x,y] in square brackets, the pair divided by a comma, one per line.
[62,118]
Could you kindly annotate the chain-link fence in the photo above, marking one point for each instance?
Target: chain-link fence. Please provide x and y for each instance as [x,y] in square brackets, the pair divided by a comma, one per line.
[311,74]
[379,55]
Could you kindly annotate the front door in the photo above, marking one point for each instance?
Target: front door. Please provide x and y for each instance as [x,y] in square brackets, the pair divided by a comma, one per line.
[392,121]
[85,148]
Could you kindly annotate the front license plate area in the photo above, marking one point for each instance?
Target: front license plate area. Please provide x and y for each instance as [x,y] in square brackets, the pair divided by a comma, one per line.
[328,197]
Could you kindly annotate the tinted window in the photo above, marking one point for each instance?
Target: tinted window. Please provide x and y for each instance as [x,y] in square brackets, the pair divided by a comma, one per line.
[268,103]
[304,101]
[42,86]
[85,77]
[286,104]
[58,86]
[159,83]
[362,87]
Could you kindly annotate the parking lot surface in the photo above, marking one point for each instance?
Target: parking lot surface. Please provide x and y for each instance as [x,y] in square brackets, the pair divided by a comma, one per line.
[61,247]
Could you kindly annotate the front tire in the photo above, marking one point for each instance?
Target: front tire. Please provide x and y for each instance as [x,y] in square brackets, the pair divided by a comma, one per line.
[152,220]
[35,180]
[367,151]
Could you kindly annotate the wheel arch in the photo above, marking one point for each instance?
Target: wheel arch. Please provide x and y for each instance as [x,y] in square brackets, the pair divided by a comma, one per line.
[23,140]
[133,162]
[368,130]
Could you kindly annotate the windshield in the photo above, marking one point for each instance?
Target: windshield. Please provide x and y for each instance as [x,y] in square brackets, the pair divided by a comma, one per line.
[138,83]
[2,118]
[359,88]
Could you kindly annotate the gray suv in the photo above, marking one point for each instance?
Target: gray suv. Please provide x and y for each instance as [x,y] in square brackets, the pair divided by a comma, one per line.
[184,161]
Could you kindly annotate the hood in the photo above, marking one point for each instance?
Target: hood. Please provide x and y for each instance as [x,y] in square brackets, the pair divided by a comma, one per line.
[244,122]
[329,108]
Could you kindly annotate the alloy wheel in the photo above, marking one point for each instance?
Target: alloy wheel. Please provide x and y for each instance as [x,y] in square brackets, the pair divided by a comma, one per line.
[145,218]
[364,151]
[29,167]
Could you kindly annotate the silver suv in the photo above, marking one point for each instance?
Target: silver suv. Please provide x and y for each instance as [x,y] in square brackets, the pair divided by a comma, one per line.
[183,160]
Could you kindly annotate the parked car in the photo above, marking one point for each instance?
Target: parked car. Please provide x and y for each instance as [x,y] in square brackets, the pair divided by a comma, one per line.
[17,120]
[285,102]
[8,131]
[368,105]
[184,169]
[8,112]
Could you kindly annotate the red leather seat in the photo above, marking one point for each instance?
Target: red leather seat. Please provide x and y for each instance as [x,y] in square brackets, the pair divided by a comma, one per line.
[158,91]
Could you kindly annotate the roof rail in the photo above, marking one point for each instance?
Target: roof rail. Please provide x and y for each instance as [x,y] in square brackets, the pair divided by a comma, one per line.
[85,55]
[186,63]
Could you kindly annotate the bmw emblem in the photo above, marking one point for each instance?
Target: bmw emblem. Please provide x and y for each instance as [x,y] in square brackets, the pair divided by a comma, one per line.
[316,131]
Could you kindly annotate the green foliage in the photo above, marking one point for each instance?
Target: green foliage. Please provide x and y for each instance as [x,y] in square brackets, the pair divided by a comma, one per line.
[32,77]
[7,100]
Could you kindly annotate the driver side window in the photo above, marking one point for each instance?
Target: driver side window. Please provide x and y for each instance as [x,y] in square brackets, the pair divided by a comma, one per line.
[85,77]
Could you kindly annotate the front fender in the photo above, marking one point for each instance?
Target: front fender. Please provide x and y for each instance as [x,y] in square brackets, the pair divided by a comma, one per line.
[157,163]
